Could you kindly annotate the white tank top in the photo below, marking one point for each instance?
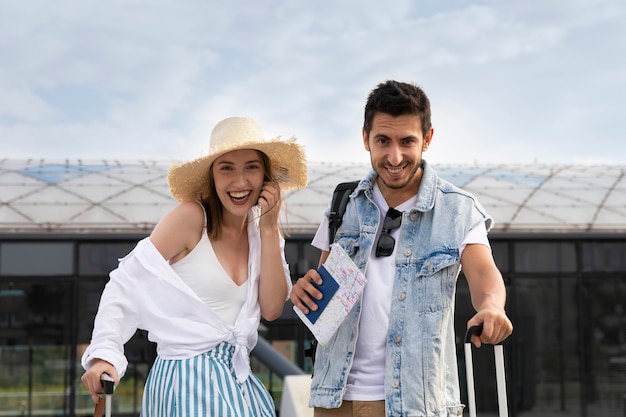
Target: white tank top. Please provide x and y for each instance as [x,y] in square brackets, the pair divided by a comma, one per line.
[203,273]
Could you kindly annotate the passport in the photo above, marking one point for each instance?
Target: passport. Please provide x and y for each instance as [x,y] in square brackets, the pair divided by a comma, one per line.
[328,288]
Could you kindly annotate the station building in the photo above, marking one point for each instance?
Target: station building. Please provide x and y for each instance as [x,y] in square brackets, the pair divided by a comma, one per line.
[559,240]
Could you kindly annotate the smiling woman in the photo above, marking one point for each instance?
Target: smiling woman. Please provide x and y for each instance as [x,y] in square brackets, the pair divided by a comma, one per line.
[210,269]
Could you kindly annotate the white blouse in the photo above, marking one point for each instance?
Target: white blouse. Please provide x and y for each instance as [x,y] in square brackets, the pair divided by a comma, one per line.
[144,292]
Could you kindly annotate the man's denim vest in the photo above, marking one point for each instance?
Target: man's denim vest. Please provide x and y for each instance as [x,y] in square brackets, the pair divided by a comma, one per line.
[421,377]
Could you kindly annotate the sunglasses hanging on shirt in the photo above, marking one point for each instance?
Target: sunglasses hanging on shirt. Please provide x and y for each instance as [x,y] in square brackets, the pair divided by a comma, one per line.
[386,243]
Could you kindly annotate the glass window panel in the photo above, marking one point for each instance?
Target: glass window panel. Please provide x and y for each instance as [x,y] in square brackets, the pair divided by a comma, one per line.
[604,256]
[548,376]
[101,258]
[34,352]
[50,367]
[291,255]
[14,308]
[605,346]
[36,258]
[500,252]
[539,256]
[310,259]
[14,363]
[90,292]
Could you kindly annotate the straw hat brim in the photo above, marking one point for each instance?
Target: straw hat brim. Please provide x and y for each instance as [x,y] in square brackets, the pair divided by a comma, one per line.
[190,180]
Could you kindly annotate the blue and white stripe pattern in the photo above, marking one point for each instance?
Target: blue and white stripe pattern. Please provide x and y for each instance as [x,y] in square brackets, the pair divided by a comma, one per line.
[204,385]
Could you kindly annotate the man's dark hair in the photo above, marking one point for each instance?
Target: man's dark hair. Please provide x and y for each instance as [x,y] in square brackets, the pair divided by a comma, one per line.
[396,99]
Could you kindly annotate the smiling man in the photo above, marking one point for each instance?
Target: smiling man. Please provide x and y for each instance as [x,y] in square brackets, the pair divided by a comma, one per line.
[410,232]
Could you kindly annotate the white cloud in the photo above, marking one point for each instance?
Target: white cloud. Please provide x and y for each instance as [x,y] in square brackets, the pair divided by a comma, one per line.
[509,81]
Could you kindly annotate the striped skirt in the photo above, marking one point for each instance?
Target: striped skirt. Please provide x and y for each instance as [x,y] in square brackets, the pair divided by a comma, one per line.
[204,385]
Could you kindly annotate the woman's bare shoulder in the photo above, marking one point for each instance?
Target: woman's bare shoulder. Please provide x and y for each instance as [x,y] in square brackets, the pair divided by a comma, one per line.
[179,230]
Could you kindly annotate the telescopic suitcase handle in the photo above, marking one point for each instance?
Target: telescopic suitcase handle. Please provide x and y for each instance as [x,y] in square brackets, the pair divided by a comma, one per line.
[469,369]
[104,402]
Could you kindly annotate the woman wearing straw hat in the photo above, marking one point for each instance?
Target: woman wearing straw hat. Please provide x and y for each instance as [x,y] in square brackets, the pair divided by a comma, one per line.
[200,283]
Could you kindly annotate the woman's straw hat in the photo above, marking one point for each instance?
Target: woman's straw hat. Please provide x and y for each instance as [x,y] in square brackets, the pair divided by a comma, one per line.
[189,180]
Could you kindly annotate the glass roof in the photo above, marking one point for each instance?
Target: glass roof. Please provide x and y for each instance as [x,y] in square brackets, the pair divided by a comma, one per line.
[113,196]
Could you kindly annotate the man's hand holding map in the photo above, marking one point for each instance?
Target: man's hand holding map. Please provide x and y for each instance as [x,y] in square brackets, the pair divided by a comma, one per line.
[339,295]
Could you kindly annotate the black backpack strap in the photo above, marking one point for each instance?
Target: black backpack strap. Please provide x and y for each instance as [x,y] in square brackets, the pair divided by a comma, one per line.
[311,350]
[338,207]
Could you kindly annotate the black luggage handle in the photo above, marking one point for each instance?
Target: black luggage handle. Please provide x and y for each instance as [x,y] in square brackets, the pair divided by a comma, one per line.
[104,402]
[476,329]
[108,384]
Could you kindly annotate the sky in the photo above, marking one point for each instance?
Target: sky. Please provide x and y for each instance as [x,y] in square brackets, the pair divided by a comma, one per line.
[509,81]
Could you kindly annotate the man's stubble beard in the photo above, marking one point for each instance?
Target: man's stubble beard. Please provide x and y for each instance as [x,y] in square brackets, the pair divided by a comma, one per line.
[416,168]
